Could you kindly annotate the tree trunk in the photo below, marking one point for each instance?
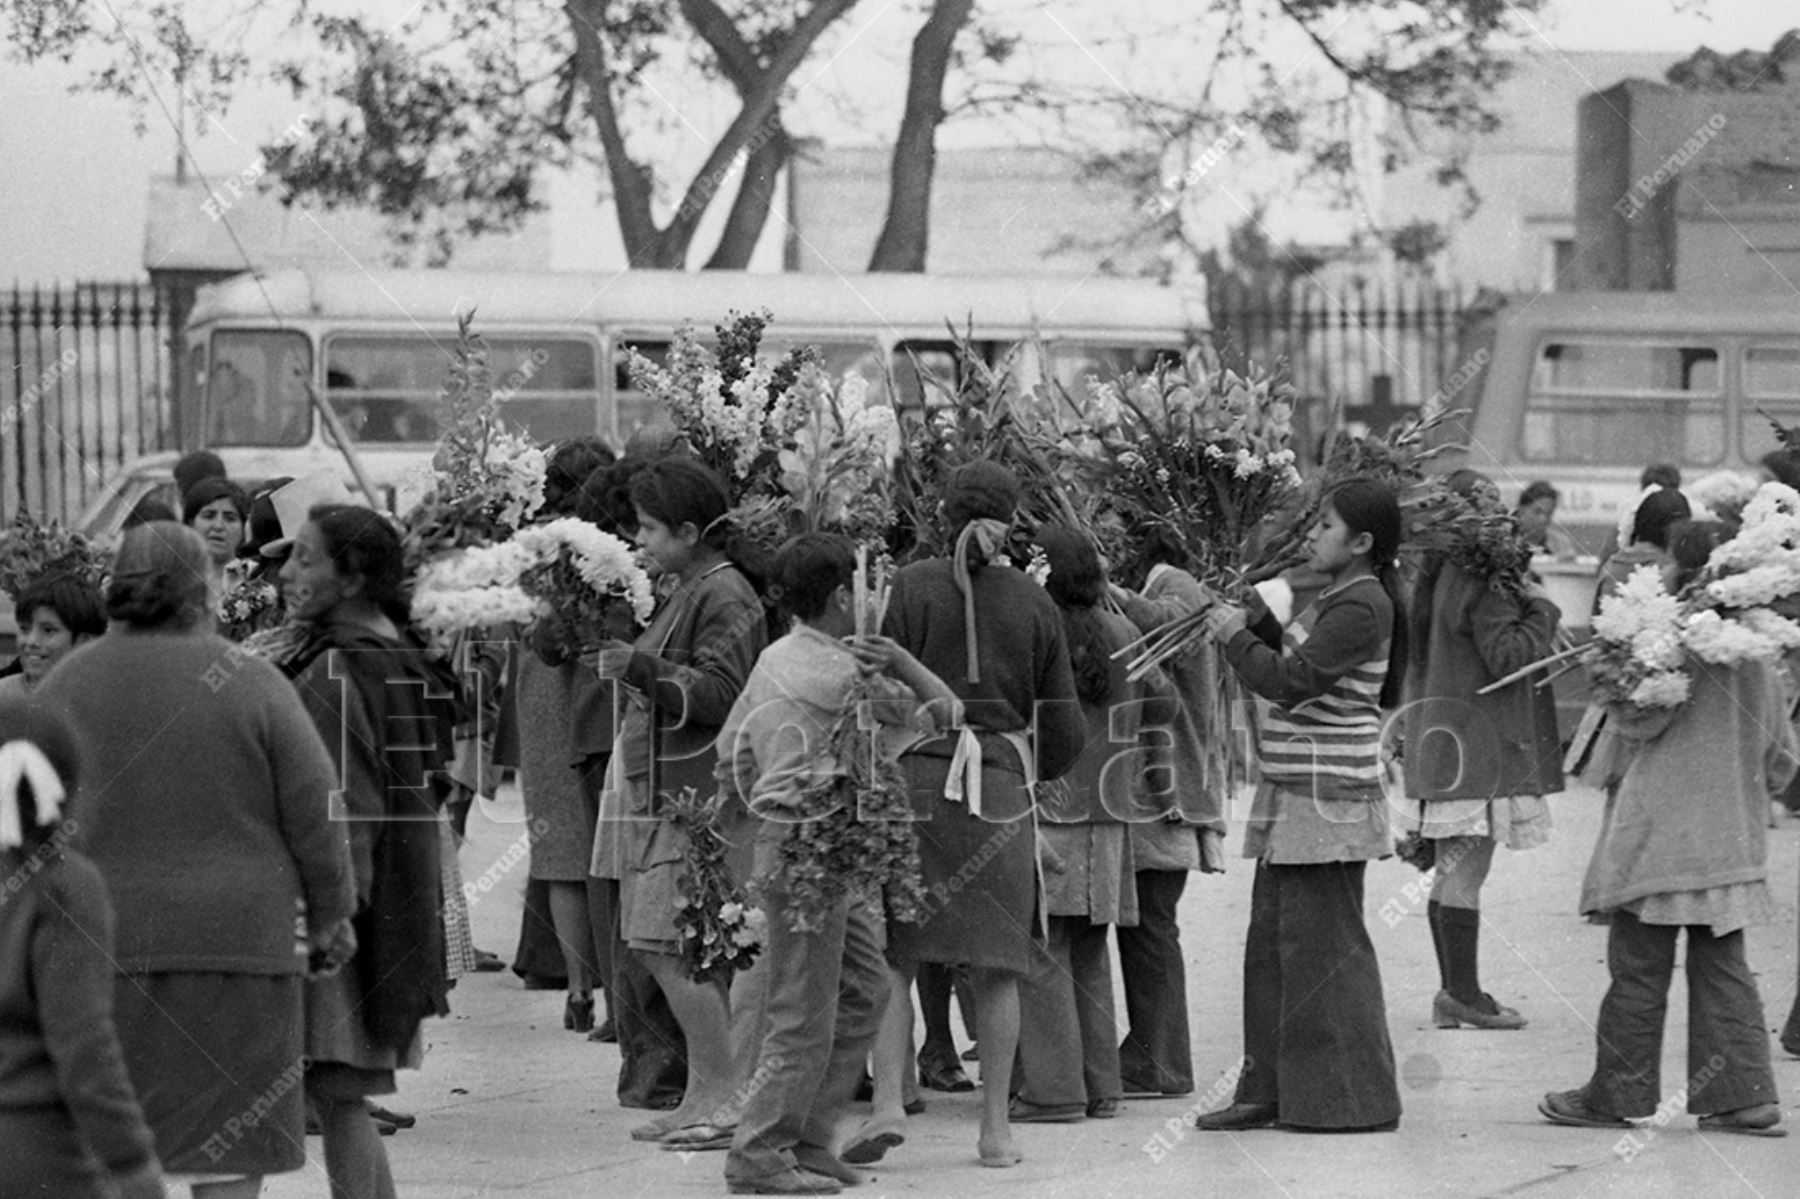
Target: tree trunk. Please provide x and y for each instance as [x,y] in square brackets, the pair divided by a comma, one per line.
[906,229]
[750,210]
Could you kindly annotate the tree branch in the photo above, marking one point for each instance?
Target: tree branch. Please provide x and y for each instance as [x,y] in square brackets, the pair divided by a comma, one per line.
[630,180]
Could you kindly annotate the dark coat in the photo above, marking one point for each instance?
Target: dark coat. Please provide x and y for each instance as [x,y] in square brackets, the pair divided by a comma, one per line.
[1460,745]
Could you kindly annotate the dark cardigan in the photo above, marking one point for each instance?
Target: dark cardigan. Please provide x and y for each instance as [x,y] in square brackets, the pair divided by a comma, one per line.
[1460,745]
[1024,659]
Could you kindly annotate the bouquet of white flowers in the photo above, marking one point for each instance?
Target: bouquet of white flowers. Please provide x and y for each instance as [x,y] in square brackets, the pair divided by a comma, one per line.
[566,566]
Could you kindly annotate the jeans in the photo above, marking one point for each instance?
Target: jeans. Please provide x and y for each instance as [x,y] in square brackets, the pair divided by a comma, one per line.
[1727,1049]
[1156,1055]
[820,1003]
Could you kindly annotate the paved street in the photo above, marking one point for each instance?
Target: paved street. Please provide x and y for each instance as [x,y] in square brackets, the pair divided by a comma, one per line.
[510,1104]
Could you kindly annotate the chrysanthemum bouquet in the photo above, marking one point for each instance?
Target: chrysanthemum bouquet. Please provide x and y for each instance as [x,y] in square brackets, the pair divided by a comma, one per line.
[1636,656]
[718,929]
[1738,609]
[589,578]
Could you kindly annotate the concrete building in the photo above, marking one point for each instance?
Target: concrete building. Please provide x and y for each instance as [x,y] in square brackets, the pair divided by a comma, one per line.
[1690,190]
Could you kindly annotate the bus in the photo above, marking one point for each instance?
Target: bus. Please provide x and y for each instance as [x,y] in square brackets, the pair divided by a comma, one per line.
[1587,389]
[375,346]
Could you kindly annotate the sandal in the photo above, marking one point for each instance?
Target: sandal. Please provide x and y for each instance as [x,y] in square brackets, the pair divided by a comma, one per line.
[1571,1108]
[1760,1120]
[693,1138]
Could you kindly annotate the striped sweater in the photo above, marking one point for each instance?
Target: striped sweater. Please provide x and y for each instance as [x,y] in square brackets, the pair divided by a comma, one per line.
[1322,677]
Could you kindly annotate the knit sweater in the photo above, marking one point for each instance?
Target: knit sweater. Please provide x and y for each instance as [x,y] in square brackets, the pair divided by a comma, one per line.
[1692,813]
[58,1047]
[1322,734]
[204,802]
[1464,745]
[1024,659]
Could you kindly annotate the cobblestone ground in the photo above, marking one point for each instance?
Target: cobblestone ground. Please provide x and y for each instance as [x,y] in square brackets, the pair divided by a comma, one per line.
[510,1104]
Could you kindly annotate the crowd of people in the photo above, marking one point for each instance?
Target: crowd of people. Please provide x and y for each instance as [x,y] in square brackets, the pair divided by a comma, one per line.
[231,900]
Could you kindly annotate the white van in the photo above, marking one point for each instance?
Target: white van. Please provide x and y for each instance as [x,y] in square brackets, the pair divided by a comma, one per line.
[1586,389]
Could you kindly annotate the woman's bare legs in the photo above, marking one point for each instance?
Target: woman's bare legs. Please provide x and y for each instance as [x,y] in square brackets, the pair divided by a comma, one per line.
[997,1040]
[355,1162]
[706,1022]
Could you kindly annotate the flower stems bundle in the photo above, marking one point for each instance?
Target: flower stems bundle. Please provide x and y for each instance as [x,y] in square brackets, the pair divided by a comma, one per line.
[717,927]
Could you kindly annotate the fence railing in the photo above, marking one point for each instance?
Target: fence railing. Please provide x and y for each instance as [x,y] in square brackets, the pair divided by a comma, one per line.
[87,390]
[1372,350]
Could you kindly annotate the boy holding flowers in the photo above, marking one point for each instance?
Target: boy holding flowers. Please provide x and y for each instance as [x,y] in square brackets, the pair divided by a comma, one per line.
[780,750]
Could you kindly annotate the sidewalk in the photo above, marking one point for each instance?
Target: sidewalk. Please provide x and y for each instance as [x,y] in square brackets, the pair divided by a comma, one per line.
[510,1104]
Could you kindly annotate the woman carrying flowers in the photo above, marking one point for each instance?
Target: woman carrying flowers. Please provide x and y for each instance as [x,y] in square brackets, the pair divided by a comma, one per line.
[997,639]
[1685,846]
[681,675]
[1316,1047]
[777,749]
[1478,765]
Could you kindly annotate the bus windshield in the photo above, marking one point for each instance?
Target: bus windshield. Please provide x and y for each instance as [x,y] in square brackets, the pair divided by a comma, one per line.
[256,388]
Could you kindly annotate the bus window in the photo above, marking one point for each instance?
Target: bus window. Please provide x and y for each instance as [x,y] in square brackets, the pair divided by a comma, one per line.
[1073,363]
[1772,386]
[933,381]
[256,388]
[386,389]
[548,386]
[1624,404]
[636,409]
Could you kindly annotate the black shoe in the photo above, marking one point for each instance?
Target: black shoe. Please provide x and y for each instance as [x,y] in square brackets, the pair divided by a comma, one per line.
[488,963]
[545,982]
[1102,1109]
[786,1182]
[397,1119]
[945,1078]
[865,1090]
[1240,1116]
[1022,1112]
[578,1013]
[972,1054]
[606,1034]
[913,1108]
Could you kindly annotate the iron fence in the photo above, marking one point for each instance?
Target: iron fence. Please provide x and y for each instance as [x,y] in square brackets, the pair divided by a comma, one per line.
[87,390]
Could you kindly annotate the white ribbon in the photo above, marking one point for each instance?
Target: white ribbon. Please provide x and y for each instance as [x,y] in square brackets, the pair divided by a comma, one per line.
[964,783]
[24,761]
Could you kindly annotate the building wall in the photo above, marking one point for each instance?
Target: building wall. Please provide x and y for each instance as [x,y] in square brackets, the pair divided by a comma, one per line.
[994,211]
[1690,190]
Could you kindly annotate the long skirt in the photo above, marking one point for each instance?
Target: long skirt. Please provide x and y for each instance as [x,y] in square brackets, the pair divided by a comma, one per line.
[215,1060]
[981,903]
